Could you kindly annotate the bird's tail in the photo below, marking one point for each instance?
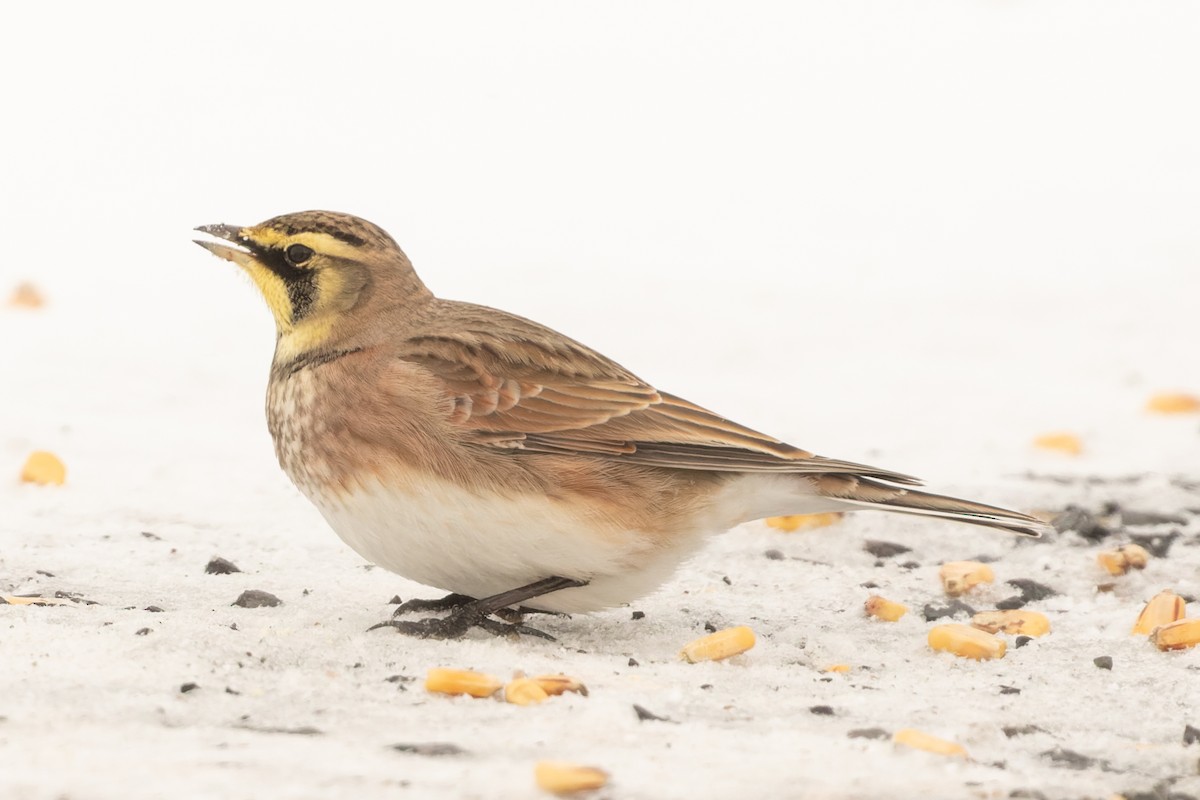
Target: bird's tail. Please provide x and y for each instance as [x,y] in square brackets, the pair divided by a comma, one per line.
[869,493]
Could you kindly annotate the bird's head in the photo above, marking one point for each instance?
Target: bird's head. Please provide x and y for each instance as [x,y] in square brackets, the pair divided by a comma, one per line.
[318,271]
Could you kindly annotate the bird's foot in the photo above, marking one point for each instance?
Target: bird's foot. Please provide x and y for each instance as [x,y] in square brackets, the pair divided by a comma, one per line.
[456,624]
[447,603]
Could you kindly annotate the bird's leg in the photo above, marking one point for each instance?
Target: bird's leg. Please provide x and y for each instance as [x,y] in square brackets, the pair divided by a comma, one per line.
[477,613]
[447,603]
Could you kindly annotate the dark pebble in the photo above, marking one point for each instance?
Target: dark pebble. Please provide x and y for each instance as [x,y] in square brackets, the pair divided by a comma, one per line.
[303,730]
[1074,518]
[399,679]
[1021,730]
[1021,641]
[142,632]
[708,626]
[153,609]
[75,597]
[1159,792]
[774,555]
[633,662]
[1032,591]
[234,692]
[430,749]
[1010,603]
[1157,544]
[869,585]
[188,687]
[869,733]
[1009,690]
[728,582]
[638,615]
[1131,517]
[1026,794]
[44,572]
[221,566]
[910,565]
[1191,734]
[1103,662]
[821,711]
[253,598]
[154,537]
[706,686]
[1068,759]
[950,609]
[395,601]
[645,715]
[881,549]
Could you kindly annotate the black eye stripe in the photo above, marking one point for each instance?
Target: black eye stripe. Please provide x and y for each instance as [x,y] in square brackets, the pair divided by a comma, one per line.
[300,283]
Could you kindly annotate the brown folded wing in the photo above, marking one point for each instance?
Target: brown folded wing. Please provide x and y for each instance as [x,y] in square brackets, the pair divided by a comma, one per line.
[522,387]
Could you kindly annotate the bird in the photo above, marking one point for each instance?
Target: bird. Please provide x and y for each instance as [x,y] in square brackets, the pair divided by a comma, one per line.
[483,454]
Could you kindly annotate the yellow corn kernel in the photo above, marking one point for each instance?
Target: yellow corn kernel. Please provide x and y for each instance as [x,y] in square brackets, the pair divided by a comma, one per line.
[1026,623]
[1067,443]
[14,600]
[1177,635]
[719,645]
[1123,559]
[837,668]
[559,684]
[524,692]
[884,609]
[44,469]
[26,295]
[1165,607]
[1168,403]
[461,681]
[561,777]
[965,641]
[958,577]
[795,522]
[910,737]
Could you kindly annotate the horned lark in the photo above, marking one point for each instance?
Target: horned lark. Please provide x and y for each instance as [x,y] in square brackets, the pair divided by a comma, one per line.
[478,452]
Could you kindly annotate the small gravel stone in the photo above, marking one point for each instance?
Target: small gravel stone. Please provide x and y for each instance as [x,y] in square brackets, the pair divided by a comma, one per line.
[949,609]
[221,566]
[1083,522]
[1069,759]
[1191,734]
[881,549]
[254,598]
[1103,662]
[188,687]
[1021,730]
[645,715]
[1159,544]
[430,749]
[869,733]
[1021,641]
[774,555]
[821,711]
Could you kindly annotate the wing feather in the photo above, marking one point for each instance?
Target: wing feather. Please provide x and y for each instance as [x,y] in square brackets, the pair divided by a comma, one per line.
[516,385]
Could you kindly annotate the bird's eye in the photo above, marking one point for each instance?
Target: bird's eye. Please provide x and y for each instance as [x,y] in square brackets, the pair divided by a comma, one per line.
[298,253]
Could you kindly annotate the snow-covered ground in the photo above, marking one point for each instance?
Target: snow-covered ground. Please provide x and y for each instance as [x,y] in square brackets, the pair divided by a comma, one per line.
[916,235]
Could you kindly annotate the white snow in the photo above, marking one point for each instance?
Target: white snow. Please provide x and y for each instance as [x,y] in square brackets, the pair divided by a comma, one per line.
[915,235]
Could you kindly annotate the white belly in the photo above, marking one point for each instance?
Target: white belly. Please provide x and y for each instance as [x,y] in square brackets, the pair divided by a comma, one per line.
[450,538]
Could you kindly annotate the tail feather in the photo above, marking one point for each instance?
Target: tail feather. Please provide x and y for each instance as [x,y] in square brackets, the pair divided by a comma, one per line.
[868,493]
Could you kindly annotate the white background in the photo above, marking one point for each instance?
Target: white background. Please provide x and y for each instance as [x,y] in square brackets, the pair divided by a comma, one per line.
[917,234]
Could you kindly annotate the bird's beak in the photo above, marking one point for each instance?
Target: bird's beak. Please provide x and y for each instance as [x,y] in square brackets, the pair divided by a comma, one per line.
[238,254]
